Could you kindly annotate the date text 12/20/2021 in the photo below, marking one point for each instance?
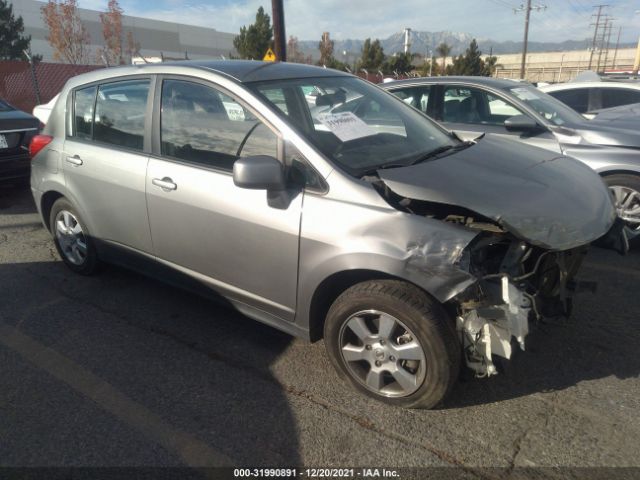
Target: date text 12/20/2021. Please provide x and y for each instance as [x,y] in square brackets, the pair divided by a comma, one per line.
[315,473]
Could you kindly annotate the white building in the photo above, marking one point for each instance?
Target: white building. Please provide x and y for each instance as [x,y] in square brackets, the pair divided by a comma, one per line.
[155,37]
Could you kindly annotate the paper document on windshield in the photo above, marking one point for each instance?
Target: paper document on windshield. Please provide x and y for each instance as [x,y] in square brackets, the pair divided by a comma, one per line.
[346,126]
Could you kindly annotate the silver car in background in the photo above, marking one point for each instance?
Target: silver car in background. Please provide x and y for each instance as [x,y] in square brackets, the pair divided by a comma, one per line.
[406,249]
[474,105]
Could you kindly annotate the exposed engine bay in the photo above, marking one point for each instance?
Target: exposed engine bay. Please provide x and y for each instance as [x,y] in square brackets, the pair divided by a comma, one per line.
[518,284]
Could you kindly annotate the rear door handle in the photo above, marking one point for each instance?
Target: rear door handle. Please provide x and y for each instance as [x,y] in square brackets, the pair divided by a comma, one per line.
[164,183]
[75,160]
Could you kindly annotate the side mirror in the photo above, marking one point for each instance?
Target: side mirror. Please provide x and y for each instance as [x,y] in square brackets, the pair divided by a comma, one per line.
[259,172]
[521,123]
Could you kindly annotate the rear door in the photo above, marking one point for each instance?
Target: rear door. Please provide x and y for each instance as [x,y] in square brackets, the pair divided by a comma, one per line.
[200,221]
[104,159]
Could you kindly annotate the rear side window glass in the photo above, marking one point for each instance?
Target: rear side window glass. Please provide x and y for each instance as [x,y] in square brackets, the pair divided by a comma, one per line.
[83,112]
[615,97]
[203,125]
[577,98]
[120,113]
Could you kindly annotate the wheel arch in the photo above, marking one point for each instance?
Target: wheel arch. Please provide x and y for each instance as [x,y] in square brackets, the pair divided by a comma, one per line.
[332,286]
[46,203]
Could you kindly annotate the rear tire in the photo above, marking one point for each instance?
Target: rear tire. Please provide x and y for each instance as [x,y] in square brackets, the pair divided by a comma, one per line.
[394,343]
[625,190]
[72,239]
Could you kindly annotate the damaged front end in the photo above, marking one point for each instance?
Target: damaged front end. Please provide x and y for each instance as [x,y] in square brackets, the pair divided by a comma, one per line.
[535,214]
[517,284]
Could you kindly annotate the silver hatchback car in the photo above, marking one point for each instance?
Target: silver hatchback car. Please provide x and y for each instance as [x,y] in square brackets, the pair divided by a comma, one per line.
[408,250]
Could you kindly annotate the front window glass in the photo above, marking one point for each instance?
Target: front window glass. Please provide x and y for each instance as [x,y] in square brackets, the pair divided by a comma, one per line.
[464,104]
[203,125]
[354,123]
[548,107]
[120,113]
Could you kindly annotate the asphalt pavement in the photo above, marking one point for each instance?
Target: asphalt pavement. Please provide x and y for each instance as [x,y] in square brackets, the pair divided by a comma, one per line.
[121,370]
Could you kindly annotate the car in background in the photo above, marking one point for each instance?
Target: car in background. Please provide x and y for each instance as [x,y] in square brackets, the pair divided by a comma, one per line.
[472,106]
[405,248]
[42,112]
[588,98]
[17,128]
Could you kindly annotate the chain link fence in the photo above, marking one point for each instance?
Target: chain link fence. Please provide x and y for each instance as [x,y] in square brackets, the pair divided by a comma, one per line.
[25,87]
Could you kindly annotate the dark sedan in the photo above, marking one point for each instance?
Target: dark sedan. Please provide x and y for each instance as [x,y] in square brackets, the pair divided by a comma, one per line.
[16,130]
[475,105]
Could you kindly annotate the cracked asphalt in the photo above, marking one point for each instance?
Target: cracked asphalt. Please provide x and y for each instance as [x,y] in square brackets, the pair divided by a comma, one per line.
[122,370]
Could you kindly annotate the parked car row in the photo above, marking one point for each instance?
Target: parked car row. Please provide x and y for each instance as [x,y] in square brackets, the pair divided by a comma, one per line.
[322,205]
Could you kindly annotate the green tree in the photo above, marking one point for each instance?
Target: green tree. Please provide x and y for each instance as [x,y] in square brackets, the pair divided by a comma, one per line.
[490,66]
[372,55]
[470,63]
[400,63]
[326,49]
[12,40]
[444,49]
[255,39]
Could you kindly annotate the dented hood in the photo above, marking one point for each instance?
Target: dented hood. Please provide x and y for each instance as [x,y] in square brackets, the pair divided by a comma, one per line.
[549,200]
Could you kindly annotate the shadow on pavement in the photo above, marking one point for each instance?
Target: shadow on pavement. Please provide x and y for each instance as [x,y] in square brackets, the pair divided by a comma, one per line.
[18,198]
[134,373]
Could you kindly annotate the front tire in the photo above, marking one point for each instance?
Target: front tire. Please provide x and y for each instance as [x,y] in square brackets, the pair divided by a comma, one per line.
[394,343]
[625,190]
[72,239]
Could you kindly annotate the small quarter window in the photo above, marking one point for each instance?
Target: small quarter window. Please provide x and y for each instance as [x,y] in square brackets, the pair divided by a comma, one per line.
[83,112]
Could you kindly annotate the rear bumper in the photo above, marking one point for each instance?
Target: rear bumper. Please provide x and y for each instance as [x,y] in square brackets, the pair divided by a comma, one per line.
[15,167]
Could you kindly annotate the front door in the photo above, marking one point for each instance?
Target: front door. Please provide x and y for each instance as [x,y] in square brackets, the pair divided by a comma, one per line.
[471,111]
[200,221]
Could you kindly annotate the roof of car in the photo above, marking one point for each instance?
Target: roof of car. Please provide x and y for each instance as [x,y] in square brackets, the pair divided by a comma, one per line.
[488,81]
[254,71]
[241,71]
[574,85]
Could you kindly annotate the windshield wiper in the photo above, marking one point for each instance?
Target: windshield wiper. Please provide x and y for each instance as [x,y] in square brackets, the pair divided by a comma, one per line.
[373,170]
[440,150]
[422,158]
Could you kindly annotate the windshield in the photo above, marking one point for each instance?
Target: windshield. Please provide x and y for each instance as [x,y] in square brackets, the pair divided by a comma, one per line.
[352,122]
[553,110]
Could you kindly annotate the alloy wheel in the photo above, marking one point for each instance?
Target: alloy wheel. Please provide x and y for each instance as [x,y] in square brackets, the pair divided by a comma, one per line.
[70,236]
[627,203]
[382,353]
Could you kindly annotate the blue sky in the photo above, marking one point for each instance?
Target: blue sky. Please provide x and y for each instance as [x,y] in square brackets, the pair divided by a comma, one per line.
[562,20]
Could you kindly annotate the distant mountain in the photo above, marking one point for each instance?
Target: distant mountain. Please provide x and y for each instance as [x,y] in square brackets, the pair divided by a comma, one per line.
[423,42]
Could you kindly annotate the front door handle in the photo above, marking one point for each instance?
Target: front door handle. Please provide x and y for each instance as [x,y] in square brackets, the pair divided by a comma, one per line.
[164,183]
[75,160]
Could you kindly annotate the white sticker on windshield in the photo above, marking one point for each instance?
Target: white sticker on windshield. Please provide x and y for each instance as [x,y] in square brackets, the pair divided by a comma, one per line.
[524,93]
[346,126]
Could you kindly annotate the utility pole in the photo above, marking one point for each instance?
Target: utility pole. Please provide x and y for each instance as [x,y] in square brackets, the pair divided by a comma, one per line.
[279,38]
[527,15]
[607,29]
[601,42]
[595,33]
[615,53]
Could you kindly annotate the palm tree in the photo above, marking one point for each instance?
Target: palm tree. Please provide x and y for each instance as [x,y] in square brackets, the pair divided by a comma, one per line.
[443,50]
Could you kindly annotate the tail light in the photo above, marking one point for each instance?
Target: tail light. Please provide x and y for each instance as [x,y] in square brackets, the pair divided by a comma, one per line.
[38,142]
